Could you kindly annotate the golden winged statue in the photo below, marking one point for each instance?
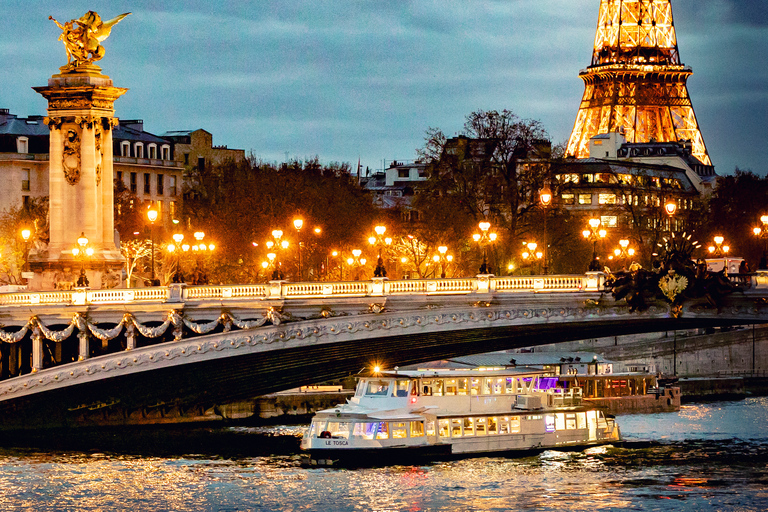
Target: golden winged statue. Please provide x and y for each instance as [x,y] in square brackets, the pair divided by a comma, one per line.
[82,37]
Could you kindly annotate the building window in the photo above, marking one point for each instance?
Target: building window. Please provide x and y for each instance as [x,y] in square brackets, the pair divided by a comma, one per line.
[165,152]
[152,150]
[172,185]
[25,203]
[125,149]
[22,144]
[147,183]
[201,164]
[138,150]
[585,198]
[160,189]
[119,175]
[25,180]
[172,209]
[609,221]
[606,199]
[568,198]
[186,158]
[133,182]
[403,173]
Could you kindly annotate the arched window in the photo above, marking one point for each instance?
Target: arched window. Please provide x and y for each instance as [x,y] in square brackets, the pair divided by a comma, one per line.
[165,152]
[125,148]
[152,150]
[138,150]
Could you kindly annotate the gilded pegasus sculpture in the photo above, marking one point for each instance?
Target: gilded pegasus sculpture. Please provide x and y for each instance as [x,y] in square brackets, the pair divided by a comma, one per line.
[82,37]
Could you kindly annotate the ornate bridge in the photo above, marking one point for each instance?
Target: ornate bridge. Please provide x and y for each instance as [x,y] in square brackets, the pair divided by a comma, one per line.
[92,357]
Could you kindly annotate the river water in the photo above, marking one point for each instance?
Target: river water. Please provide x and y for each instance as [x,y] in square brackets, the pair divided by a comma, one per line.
[709,456]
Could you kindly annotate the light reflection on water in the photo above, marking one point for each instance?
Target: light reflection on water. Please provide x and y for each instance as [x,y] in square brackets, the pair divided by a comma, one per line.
[706,457]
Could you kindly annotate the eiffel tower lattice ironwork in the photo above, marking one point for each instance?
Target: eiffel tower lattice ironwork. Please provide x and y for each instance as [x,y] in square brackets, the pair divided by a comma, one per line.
[636,83]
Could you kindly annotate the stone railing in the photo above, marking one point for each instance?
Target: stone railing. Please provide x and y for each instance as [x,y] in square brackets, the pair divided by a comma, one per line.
[376,287]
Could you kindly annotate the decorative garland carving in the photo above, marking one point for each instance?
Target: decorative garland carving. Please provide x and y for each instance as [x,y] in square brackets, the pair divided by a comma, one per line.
[70,160]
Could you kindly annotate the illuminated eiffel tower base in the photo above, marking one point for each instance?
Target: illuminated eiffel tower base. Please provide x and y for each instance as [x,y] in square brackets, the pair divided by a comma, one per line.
[636,84]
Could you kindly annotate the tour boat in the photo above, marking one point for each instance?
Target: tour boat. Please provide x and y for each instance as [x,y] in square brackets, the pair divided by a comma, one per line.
[397,415]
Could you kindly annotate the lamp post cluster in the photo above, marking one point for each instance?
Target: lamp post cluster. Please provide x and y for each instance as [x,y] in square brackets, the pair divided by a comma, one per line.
[443,258]
[718,250]
[624,251]
[592,235]
[82,252]
[530,254]
[275,246]
[484,238]
[380,242]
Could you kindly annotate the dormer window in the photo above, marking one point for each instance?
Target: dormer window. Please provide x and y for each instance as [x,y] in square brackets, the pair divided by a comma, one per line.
[22,144]
[125,148]
[165,152]
[152,150]
[138,150]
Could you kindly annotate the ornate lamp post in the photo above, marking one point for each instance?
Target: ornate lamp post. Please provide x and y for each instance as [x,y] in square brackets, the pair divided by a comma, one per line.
[442,258]
[26,234]
[763,234]
[298,223]
[593,234]
[531,254]
[152,216]
[178,238]
[356,260]
[545,196]
[81,251]
[484,238]
[624,251]
[718,250]
[278,244]
[380,242]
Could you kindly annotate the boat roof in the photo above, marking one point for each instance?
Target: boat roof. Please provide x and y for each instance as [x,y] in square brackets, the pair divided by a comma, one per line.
[438,372]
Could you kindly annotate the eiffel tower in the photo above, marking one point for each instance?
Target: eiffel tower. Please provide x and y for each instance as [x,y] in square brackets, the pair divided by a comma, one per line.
[636,84]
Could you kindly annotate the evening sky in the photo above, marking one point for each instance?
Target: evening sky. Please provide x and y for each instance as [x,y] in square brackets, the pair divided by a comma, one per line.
[365,78]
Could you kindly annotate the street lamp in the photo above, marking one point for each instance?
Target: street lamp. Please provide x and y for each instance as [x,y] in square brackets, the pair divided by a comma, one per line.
[443,258]
[484,238]
[25,235]
[593,234]
[298,223]
[356,260]
[531,254]
[624,251]
[718,250]
[380,242]
[763,234]
[277,243]
[81,251]
[152,216]
[545,196]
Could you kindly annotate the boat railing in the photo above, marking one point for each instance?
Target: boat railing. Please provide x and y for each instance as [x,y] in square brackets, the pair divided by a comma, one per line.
[565,397]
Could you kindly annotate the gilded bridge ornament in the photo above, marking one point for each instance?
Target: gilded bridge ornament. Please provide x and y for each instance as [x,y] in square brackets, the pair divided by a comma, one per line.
[70,158]
[82,37]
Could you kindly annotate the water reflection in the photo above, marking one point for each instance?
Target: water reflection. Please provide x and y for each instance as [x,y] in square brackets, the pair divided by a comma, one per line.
[707,457]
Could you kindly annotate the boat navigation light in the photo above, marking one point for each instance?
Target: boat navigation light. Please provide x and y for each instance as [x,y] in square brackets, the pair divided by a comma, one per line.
[376,369]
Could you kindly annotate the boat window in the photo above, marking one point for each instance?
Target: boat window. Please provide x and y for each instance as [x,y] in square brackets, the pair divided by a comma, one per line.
[581,420]
[480,426]
[377,388]
[437,387]
[550,423]
[492,426]
[401,388]
[570,421]
[504,425]
[487,382]
[398,430]
[463,386]
[430,427]
[338,429]
[364,430]
[559,421]
[475,385]
[592,417]
[417,429]
[498,386]
[456,427]
[514,424]
[414,387]
[601,420]
[444,430]
[450,387]
[510,385]
[382,432]
[469,426]
[312,429]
